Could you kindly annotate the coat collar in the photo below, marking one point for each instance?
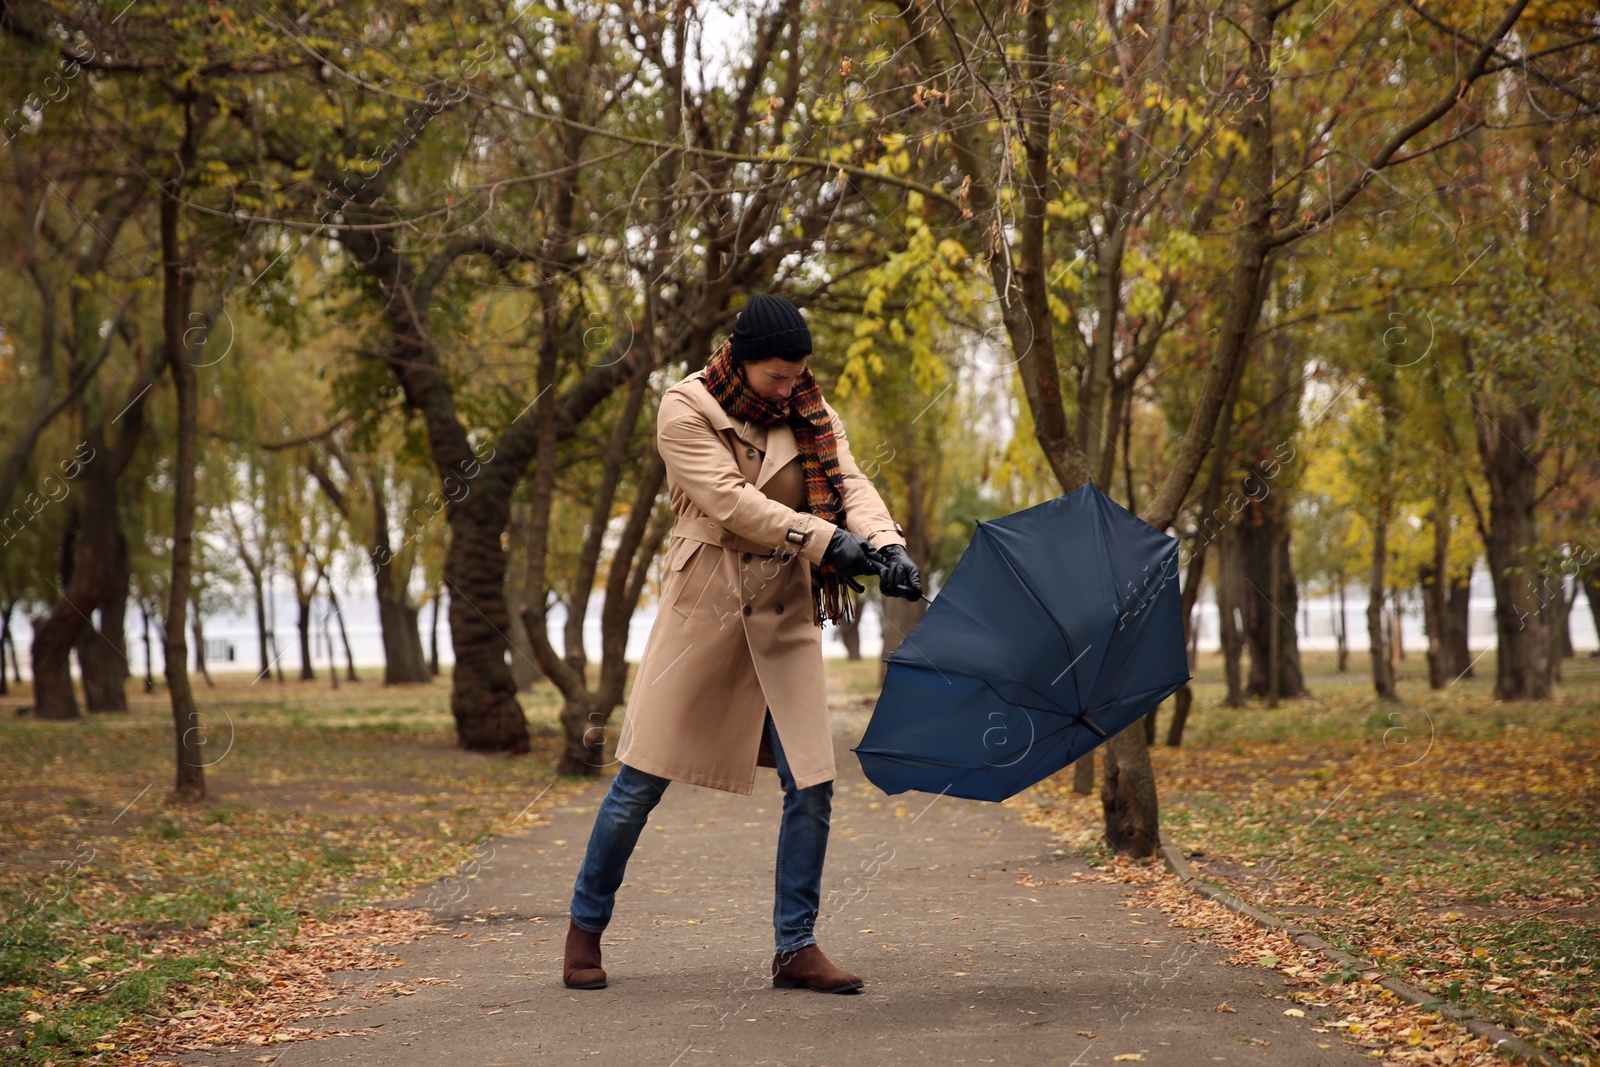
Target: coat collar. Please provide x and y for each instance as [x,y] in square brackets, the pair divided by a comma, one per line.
[776,441]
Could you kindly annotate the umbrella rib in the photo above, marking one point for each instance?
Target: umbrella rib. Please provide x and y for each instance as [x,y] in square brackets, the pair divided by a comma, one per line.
[995,684]
[1044,706]
[1103,535]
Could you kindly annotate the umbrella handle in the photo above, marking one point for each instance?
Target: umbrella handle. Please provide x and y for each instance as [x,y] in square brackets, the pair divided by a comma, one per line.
[880,568]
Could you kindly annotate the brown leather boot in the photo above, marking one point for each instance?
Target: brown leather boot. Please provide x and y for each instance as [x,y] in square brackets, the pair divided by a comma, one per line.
[581,968]
[810,969]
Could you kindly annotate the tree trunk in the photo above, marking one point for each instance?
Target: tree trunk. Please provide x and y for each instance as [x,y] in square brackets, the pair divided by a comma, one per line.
[5,643]
[433,635]
[403,659]
[1275,643]
[114,619]
[189,783]
[1397,643]
[1270,600]
[1128,795]
[327,645]
[1230,634]
[199,629]
[1194,576]
[303,600]
[1555,607]
[84,573]
[483,696]
[1182,701]
[403,662]
[102,667]
[261,622]
[1458,657]
[1382,673]
[1521,671]
[850,637]
[523,611]
[1433,625]
[1343,629]
[344,637]
[1568,651]
[103,650]
[56,633]
[586,711]
[1083,774]
[523,669]
[1431,577]
[276,662]
[149,651]
[583,723]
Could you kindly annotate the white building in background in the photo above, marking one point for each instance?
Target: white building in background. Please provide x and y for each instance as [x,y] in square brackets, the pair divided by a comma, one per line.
[1316,621]
[231,639]
[231,642]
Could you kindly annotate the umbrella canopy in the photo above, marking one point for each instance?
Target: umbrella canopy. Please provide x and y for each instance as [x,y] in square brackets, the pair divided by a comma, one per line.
[1060,626]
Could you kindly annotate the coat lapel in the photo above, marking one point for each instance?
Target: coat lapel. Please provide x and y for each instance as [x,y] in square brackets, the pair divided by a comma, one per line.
[748,432]
[781,448]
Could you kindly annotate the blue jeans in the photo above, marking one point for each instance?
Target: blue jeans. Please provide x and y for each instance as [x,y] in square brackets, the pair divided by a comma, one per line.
[802,845]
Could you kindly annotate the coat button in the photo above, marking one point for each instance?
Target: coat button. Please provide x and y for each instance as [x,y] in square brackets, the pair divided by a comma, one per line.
[747,557]
[750,452]
[778,609]
[747,609]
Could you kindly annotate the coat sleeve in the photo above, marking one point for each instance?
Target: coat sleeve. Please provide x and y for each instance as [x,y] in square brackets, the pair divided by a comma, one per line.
[864,510]
[699,463]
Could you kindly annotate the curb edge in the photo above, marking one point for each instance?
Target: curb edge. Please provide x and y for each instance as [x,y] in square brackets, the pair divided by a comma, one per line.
[1497,1036]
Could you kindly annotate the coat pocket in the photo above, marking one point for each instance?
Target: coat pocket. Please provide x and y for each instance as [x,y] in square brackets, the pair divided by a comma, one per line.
[681,588]
[678,554]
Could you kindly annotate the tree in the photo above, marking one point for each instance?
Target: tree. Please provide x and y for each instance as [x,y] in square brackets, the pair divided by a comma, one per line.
[627,520]
[1266,450]
[1137,98]
[734,208]
[68,251]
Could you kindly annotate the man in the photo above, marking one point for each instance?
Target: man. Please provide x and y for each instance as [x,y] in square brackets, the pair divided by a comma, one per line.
[774,518]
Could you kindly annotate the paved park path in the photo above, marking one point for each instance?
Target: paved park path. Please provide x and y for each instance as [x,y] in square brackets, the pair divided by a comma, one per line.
[963,965]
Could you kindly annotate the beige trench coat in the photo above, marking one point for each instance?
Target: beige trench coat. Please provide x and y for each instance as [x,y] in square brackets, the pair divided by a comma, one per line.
[733,634]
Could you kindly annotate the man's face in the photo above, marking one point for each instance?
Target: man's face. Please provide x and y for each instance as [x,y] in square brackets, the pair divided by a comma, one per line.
[773,379]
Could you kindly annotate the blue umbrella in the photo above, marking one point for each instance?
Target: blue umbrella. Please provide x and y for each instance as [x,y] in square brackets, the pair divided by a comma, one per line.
[1060,626]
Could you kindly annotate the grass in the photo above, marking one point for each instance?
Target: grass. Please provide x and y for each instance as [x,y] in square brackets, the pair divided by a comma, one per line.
[121,908]
[1452,838]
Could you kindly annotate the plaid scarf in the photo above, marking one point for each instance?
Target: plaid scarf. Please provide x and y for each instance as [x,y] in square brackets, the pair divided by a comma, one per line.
[819,461]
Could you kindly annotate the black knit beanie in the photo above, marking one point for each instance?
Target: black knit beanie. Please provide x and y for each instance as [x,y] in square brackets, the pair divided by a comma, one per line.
[770,326]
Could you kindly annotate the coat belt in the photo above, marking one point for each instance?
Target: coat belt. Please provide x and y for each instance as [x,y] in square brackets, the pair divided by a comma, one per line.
[710,533]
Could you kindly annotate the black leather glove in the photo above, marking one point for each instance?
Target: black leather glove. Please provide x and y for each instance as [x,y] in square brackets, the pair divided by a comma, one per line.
[899,576]
[850,555]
